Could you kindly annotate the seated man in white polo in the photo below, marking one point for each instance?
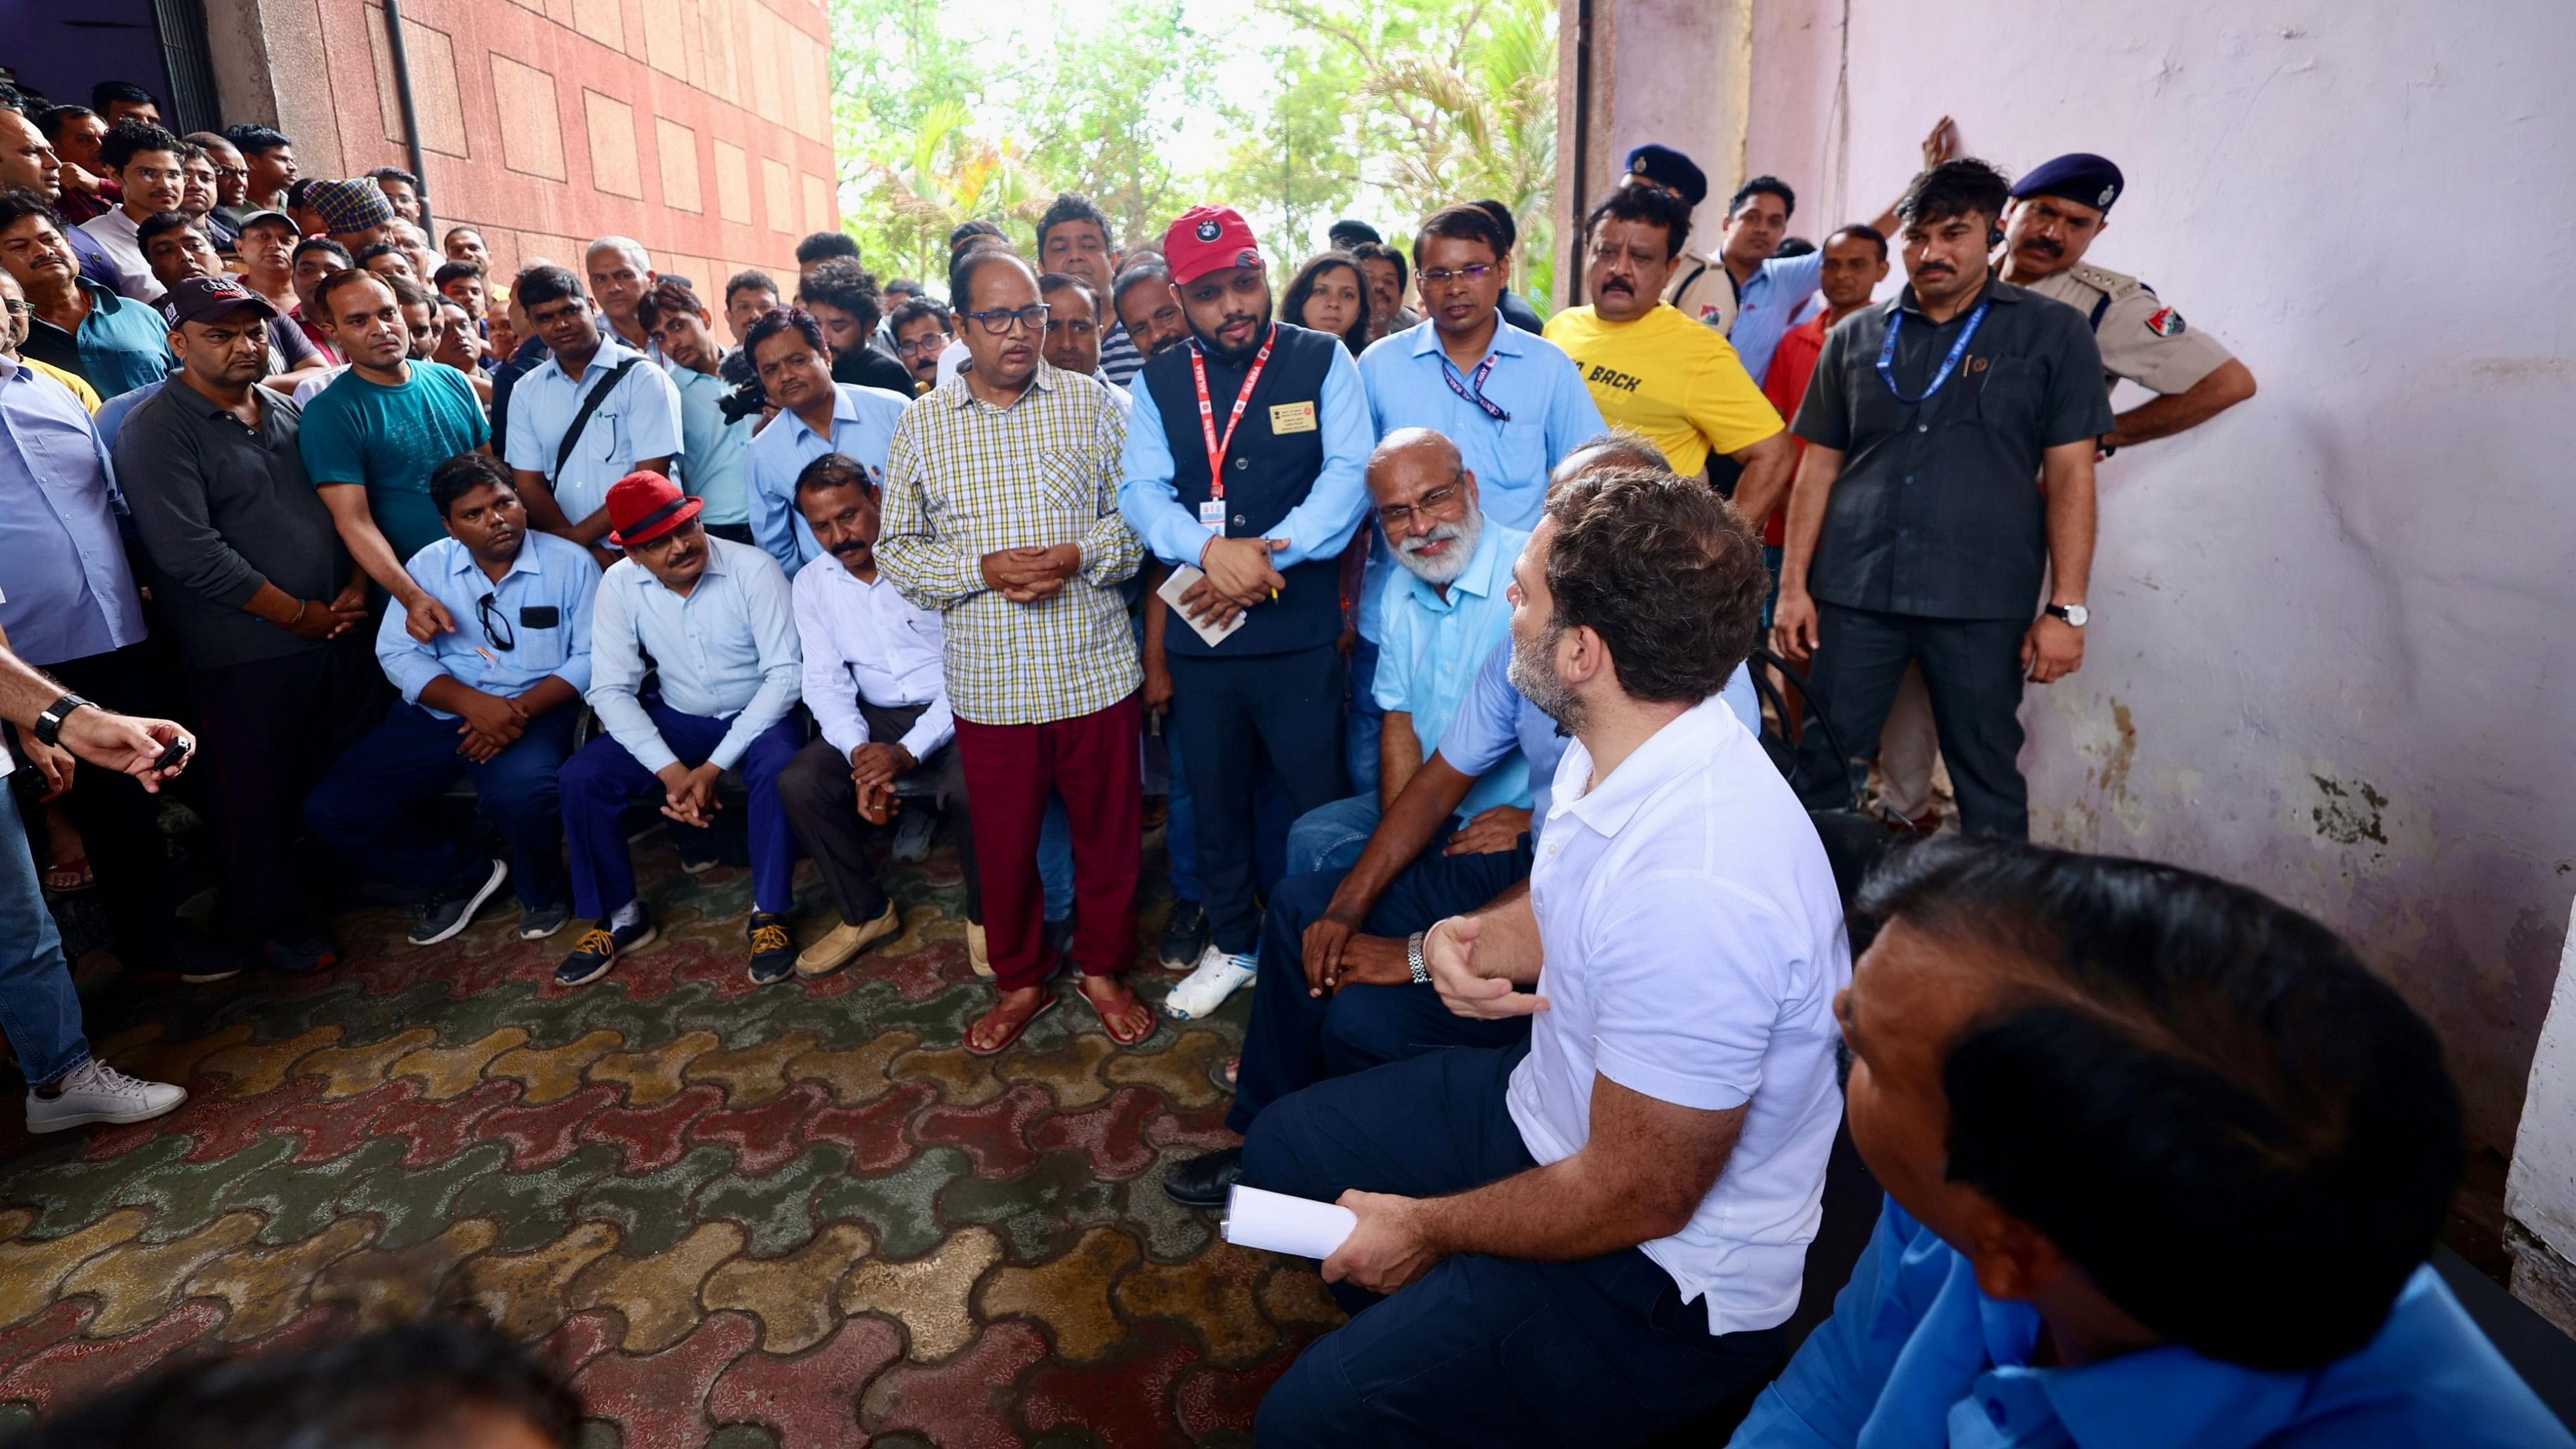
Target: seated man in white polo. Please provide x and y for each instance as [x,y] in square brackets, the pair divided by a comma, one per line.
[1597,1236]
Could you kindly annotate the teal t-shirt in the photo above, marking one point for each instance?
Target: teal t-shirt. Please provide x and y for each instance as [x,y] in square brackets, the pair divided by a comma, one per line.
[390,439]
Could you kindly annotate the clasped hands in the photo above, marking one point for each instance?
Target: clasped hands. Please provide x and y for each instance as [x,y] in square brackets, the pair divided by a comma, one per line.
[1027,575]
[873,770]
[1239,575]
[489,725]
[689,795]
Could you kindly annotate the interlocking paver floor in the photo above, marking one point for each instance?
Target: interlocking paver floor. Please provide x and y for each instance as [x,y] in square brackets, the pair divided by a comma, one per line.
[796,1216]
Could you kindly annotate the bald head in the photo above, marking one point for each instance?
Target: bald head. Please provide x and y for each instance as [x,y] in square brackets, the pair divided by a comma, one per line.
[1409,456]
[1616,448]
[1426,503]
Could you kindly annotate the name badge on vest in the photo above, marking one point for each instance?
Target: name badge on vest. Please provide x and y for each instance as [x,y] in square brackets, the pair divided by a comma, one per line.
[1212,516]
[1292,418]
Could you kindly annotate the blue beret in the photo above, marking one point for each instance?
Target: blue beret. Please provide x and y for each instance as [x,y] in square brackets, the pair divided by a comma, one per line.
[1669,168]
[2079,176]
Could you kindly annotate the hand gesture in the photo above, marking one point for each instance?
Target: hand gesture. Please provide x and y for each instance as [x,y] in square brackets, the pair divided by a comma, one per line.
[1491,832]
[1449,951]
[690,795]
[490,725]
[1942,144]
[1387,1250]
[2052,650]
[321,620]
[877,767]
[123,743]
[427,618]
[1324,943]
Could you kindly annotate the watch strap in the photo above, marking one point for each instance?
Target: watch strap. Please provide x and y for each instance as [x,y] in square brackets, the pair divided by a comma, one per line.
[1413,959]
[49,725]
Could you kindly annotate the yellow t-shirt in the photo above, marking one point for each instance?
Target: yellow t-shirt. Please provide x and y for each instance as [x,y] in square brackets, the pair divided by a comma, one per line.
[87,394]
[1670,378]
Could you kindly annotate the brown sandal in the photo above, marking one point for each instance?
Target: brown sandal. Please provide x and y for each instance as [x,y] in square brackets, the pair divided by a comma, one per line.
[1019,1029]
[1152,1022]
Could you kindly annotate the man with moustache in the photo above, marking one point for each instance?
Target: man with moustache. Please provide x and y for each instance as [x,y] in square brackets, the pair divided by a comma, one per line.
[875,686]
[714,619]
[270,159]
[486,699]
[1914,531]
[816,415]
[28,163]
[921,332]
[1149,309]
[178,247]
[1245,460]
[1073,332]
[595,411]
[110,341]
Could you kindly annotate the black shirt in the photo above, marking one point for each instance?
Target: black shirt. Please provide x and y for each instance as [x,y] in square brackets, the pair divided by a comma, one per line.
[1938,509]
[868,367]
[222,508]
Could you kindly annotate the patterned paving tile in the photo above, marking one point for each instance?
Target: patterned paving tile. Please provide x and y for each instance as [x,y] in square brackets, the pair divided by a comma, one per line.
[795,1216]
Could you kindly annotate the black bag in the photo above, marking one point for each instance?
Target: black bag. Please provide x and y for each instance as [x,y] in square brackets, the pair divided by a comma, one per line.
[589,404]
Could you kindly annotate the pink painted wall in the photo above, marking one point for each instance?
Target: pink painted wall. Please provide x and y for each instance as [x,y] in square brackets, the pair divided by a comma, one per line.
[2332,652]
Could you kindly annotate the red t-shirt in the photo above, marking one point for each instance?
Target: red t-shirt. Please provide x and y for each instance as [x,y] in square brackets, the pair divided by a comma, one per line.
[1793,362]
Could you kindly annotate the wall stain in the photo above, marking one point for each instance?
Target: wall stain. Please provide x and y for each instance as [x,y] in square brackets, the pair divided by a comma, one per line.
[2349,814]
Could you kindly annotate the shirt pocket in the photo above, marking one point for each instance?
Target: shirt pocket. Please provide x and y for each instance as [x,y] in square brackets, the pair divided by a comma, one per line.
[540,651]
[2008,392]
[604,440]
[1524,452]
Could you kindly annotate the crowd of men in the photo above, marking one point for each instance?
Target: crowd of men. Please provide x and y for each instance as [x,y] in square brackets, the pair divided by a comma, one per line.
[1429,624]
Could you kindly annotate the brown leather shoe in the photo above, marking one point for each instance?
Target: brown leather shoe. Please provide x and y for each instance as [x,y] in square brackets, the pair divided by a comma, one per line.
[845,941]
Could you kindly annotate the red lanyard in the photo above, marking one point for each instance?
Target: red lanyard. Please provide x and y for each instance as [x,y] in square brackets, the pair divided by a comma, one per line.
[1216,446]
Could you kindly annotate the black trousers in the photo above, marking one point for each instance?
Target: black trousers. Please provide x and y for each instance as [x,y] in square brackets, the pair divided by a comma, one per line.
[823,809]
[1480,1350]
[1231,714]
[1971,669]
[118,821]
[270,730]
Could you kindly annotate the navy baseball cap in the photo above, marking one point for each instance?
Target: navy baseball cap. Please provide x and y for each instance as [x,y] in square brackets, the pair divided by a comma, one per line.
[2078,176]
[205,299]
[1671,170]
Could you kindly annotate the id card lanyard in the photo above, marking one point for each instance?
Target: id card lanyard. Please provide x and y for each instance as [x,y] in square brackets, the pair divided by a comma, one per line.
[1212,512]
[1474,391]
[1949,364]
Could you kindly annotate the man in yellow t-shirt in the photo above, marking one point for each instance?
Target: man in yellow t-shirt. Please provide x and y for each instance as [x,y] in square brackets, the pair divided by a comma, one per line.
[1658,372]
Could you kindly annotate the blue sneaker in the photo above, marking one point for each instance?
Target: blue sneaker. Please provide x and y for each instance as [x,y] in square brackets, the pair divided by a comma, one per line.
[598,949]
[300,957]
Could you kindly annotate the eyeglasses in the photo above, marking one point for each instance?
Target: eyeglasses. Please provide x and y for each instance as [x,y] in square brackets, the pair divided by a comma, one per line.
[487,612]
[18,308]
[1443,276]
[236,173]
[999,323]
[1079,327]
[933,344]
[1434,504]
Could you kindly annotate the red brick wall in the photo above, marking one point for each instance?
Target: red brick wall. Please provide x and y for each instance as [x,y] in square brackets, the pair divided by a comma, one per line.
[702,128]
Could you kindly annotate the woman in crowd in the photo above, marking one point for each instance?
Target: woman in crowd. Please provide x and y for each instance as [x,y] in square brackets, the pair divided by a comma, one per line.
[1329,294]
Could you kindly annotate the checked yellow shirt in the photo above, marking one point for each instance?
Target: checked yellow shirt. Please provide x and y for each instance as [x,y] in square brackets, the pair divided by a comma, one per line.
[963,479]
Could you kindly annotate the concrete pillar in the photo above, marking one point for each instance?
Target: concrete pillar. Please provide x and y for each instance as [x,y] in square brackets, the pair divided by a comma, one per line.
[267,56]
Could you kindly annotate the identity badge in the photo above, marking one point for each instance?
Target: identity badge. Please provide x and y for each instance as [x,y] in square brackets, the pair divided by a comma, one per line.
[1212,516]
[1296,417]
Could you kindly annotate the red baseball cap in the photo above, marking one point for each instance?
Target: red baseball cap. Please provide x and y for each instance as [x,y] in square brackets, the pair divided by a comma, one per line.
[644,506]
[1209,239]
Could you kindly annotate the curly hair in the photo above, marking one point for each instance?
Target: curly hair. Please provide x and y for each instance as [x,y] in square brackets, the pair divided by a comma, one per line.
[1665,571]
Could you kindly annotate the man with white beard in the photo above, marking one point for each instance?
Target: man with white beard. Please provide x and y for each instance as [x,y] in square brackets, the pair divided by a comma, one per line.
[1442,613]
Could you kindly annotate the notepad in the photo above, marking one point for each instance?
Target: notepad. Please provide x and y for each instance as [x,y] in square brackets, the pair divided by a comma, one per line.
[1184,575]
[1278,1223]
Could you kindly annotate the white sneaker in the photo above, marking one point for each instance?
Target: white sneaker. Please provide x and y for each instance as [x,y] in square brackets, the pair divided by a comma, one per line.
[1204,990]
[97,1092]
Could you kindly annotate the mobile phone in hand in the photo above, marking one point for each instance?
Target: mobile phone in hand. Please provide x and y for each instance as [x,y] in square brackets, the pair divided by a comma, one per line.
[175,756]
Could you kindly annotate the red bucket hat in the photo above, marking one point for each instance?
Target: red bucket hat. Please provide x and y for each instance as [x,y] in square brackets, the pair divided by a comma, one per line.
[645,506]
[1209,239]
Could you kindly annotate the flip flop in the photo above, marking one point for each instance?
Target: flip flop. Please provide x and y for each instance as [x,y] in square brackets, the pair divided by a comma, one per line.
[1021,1030]
[70,876]
[1152,1021]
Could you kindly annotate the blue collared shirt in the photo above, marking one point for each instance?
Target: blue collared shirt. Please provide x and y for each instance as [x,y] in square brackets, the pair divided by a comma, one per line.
[863,420]
[66,591]
[717,465]
[1407,375]
[726,651]
[1320,527]
[550,573]
[1434,647]
[1768,305]
[111,414]
[1916,1357]
[640,419]
[121,345]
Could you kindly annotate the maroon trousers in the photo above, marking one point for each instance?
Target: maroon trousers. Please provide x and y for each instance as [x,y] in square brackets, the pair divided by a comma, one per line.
[1092,761]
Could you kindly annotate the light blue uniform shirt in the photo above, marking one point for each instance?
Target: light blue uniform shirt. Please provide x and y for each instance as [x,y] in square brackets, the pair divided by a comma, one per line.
[639,419]
[1407,376]
[1915,1358]
[726,651]
[549,573]
[1320,527]
[717,465]
[1768,305]
[111,414]
[1434,647]
[1495,719]
[66,591]
[863,420]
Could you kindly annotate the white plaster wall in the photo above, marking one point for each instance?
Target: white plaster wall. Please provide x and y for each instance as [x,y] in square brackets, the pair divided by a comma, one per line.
[2541,1193]
[2331,655]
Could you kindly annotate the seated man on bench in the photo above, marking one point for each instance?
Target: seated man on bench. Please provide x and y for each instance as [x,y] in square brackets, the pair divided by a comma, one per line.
[2164,1163]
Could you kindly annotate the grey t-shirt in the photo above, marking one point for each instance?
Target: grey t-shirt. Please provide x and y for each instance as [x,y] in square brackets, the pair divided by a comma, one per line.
[222,508]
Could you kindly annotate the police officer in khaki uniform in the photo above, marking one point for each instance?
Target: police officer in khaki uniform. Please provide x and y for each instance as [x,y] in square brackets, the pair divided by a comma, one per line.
[2057,209]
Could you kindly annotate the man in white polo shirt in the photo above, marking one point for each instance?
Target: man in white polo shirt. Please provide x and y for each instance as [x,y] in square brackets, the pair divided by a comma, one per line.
[1595,1237]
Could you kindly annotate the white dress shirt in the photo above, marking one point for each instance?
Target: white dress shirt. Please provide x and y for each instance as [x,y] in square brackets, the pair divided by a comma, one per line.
[726,650]
[1693,942]
[865,641]
[120,237]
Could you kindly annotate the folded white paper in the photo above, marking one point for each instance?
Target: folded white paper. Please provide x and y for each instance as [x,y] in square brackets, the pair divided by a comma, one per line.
[1184,575]
[1279,1223]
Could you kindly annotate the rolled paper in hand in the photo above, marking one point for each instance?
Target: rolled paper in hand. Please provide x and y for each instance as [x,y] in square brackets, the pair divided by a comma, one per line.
[1279,1223]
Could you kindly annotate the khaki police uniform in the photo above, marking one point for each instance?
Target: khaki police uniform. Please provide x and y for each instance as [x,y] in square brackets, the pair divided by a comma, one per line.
[1703,290]
[2141,338]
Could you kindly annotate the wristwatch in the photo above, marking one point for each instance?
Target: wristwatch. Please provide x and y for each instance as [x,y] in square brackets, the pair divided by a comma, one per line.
[1413,961]
[2075,614]
[49,725]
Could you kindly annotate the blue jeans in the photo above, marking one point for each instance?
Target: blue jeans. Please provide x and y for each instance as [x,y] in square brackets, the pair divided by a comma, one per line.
[369,806]
[597,783]
[39,1011]
[1331,837]
[1367,720]
[1480,1350]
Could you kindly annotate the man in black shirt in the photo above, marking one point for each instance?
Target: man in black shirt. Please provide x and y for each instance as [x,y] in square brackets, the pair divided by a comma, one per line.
[1948,476]
[843,297]
[268,610]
